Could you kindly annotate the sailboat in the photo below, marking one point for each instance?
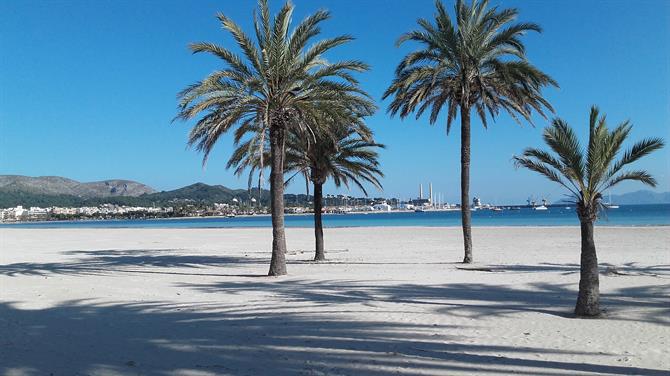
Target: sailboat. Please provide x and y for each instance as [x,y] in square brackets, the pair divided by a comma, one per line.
[610,205]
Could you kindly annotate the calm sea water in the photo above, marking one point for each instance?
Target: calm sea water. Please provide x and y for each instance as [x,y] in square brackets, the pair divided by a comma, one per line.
[626,215]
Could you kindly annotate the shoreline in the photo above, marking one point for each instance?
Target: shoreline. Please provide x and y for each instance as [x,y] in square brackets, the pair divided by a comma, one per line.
[651,226]
[628,216]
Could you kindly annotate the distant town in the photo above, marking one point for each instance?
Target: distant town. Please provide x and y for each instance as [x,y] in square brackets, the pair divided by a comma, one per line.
[53,198]
[295,204]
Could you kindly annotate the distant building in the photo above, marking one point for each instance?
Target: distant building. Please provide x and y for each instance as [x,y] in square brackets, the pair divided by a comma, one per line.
[20,213]
[37,213]
[405,206]
[420,202]
[382,207]
[476,202]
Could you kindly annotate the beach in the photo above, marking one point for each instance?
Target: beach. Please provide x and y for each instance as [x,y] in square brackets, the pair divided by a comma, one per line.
[389,300]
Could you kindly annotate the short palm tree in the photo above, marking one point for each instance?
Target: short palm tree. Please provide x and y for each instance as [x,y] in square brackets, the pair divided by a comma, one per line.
[341,155]
[586,174]
[344,153]
[476,63]
[274,84]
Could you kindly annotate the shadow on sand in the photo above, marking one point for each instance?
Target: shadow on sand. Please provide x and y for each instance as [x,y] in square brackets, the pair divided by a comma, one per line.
[310,329]
[80,337]
[470,300]
[630,268]
[152,261]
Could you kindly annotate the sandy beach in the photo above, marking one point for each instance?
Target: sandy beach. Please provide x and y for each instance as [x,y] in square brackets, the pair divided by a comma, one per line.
[388,301]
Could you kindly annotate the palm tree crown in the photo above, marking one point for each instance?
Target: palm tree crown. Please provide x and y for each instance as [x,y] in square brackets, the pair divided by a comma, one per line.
[477,62]
[586,174]
[345,154]
[276,82]
[341,155]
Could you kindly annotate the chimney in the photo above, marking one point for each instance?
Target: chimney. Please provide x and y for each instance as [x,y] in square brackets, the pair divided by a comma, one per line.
[420,191]
[430,192]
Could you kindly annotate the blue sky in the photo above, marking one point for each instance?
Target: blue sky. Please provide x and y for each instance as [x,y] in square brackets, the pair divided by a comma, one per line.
[87,89]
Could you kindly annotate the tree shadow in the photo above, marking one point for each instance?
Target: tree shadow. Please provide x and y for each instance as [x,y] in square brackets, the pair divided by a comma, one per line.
[149,261]
[470,300]
[630,268]
[156,261]
[84,337]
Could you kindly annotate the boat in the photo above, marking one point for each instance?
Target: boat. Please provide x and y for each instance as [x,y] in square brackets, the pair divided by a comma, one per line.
[543,206]
[610,205]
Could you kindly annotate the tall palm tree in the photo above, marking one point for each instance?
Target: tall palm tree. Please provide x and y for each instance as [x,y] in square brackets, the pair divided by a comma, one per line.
[586,174]
[341,155]
[479,63]
[274,84]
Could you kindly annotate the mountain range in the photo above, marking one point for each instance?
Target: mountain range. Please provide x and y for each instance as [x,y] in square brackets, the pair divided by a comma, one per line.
[48,191]
[641,197]
[56,185]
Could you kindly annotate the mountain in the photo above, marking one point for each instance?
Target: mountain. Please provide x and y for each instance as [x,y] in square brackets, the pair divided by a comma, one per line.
[58,186]
[641,197]
[48,191]
[200,192]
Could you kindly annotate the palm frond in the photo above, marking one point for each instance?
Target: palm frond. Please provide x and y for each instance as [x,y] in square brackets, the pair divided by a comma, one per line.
[589,177]
[642,176]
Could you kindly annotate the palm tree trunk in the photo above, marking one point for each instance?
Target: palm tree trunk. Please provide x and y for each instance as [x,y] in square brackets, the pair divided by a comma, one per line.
[588,301]
[318,224]
[278,262]
[465,184]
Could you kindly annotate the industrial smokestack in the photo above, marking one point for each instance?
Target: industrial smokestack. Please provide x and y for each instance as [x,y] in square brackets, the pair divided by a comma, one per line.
[420,191]
[430,192]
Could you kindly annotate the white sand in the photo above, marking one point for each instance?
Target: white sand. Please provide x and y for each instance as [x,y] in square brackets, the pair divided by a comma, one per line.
[390,301]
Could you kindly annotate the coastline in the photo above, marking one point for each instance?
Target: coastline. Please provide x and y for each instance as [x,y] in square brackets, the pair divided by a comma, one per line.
[45,227]
[626,216]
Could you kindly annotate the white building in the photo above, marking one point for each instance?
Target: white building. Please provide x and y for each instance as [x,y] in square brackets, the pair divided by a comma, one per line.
[36,212]
[20,213]
[406,206]
[382,207]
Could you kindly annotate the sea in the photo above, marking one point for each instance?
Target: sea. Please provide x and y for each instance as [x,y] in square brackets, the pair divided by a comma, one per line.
[625,215]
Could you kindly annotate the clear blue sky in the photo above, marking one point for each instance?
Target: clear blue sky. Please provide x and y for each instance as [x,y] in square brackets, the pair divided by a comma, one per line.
[87,89]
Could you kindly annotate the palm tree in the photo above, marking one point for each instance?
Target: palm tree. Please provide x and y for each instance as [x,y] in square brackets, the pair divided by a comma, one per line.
[344,153]
[477,63]
[274,85]
[341,155]
[586,174]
